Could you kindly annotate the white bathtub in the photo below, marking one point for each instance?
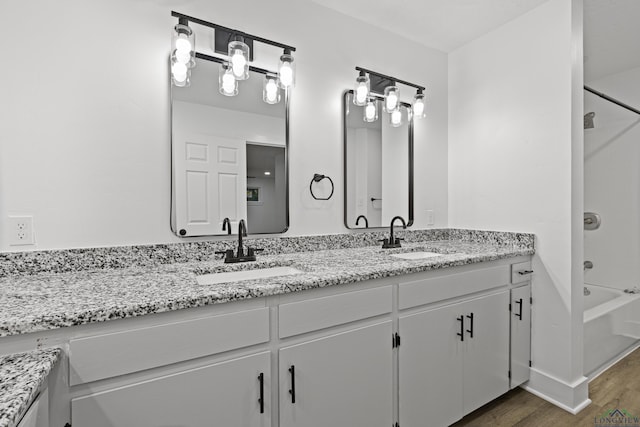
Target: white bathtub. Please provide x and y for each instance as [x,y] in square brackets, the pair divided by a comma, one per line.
[611,325]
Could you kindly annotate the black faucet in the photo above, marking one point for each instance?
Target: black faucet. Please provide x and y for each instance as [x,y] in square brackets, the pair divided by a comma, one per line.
[239,256]
[226,225]
[366,221]
[393,242]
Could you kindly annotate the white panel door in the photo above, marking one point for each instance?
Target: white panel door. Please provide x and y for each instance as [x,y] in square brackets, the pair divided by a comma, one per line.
[520,334]
[223,394]
[430,363]
[486,355]
[210,180]
[340,380]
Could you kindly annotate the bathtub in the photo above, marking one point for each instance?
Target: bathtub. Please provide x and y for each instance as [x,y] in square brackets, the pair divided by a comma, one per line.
[611,326]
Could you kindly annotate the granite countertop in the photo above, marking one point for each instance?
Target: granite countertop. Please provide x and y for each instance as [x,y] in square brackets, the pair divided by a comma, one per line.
[50,300]
[21,376]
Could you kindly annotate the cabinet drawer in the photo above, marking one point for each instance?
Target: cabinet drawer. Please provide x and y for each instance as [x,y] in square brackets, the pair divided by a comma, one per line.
[311,315]
[426,291]
[521,272]
[109,355]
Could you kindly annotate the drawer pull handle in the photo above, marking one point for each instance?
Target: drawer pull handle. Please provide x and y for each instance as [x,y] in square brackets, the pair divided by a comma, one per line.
[525,272]
[519,313]
[292,390]
[470,317]
[261,399]
[461,333]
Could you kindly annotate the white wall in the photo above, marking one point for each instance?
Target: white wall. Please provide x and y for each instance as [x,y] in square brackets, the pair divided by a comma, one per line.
[515,163]
[612,182]
[85,113]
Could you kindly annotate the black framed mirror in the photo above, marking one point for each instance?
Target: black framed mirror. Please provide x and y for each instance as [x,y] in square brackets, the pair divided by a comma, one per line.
[378,166]
[229,156]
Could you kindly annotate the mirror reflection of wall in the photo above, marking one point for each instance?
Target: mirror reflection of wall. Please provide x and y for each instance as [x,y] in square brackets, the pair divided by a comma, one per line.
[266,196]
[377,167]
[216,140]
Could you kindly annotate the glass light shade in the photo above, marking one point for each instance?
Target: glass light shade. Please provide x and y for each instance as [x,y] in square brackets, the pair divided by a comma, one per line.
[286,71]
[391,98]
[239,58]
[371,110]
[180,74]
[396,118]
[418,106]
[270,90]
[183,46]
[227,82]
[361,91]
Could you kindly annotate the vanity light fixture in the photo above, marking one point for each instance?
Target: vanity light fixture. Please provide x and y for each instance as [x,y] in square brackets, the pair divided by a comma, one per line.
[371,109]
[183,44]
[386,88]
[391,99]
[286,70]
[227,81]
[361,91]
[395,118]
[235,48]
[239,59]
[270,89]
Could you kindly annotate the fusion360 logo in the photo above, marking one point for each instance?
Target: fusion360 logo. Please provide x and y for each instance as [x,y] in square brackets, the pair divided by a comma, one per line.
[617,418]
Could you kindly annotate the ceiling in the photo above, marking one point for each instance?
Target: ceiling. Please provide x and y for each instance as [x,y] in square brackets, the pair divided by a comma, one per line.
[612,27]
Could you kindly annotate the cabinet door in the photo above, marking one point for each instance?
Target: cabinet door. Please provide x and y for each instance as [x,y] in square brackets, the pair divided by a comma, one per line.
[339,380]
[223,394]
[486,355]
[430,359]
[520,334]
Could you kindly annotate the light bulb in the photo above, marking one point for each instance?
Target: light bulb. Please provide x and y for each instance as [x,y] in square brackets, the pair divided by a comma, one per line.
[228,83]
[183,56]
[396,118]
[239,58]
[285,71]
[179,71]
[270,94]
[183,43]
[371,110]
[418,105]
[362,89]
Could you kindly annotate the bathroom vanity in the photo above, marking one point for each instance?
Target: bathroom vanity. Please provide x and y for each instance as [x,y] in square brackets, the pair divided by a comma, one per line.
[421,334]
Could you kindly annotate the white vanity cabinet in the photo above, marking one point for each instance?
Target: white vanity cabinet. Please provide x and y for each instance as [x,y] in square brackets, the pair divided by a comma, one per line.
[520,323]
[453,359]
[339,380]
[230,393]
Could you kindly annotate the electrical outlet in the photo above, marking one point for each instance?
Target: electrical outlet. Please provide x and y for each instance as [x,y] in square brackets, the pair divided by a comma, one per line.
[20,230]
[430,218]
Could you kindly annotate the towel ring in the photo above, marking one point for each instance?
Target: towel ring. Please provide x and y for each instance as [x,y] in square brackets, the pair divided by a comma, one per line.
[317,178]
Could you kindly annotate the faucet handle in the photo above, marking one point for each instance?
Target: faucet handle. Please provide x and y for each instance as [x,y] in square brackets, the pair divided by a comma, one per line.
[252,251]
[227,253]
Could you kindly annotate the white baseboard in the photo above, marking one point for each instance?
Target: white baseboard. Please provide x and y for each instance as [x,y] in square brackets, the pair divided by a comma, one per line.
[572,397]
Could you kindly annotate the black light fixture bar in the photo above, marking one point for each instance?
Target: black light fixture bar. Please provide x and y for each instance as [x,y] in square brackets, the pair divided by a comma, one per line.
[223,60]
[610,99]
[422,88]
[230,30]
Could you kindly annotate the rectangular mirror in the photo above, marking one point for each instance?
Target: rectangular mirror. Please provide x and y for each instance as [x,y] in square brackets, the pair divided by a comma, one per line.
[229,156]
[378,166]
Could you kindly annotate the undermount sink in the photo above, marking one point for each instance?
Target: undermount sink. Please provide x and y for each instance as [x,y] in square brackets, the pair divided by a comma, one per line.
[236,276]
[416,255]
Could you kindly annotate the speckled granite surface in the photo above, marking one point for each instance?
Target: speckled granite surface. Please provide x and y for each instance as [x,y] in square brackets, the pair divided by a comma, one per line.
[63,261]
[49,300]
[21,376]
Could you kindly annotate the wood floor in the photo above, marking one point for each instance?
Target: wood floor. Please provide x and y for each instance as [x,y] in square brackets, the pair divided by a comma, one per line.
[618,387]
